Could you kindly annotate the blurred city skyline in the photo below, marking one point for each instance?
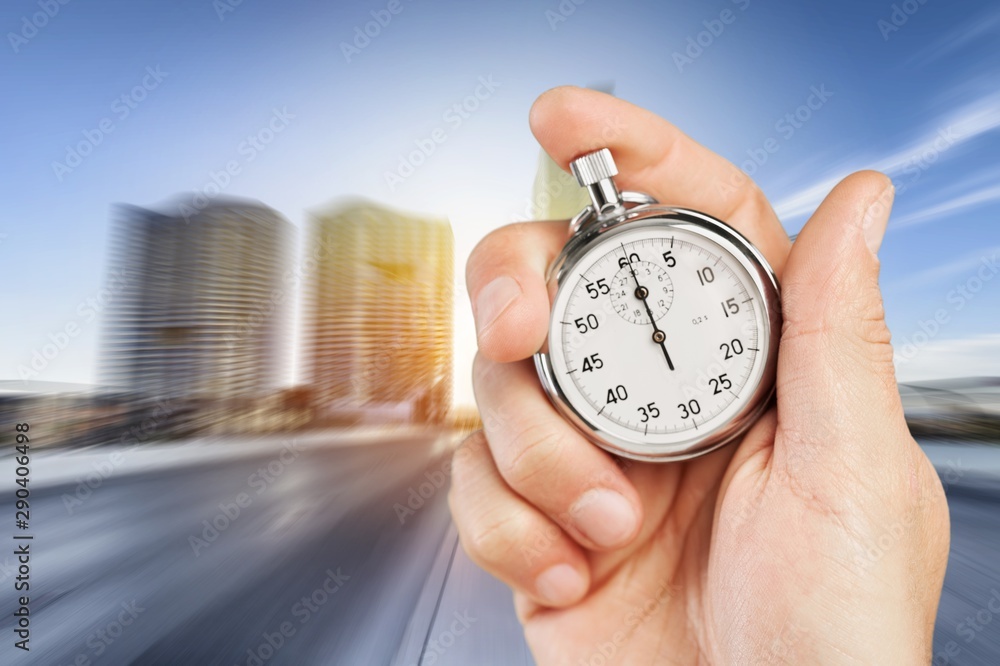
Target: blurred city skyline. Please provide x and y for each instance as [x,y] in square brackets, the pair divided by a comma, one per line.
[200,296]
[264,101]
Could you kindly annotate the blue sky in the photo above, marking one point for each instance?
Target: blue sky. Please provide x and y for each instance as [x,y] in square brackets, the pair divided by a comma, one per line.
[921,102]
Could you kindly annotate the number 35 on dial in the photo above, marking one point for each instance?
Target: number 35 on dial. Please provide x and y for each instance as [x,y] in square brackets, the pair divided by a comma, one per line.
[663,336]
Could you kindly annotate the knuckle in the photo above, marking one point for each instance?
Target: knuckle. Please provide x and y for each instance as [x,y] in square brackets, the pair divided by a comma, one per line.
[846,308]
[534,450]
[821,499]
[466,454]
[480,252]
[490,539]
[482,370]
[750,202]
[494,246]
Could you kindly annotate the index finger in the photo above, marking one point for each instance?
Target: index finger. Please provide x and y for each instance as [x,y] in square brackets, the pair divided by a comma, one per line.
[506,272]
[655,157]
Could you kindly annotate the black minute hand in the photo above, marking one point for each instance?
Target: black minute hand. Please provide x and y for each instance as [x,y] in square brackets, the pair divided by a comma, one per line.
[642,293]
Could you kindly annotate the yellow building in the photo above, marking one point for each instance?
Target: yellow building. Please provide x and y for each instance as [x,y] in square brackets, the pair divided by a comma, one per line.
[556,195]
[379,314]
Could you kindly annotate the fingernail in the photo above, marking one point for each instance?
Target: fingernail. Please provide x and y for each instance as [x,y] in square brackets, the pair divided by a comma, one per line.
[604,516]
[877,217]
[560,585]
[493,299]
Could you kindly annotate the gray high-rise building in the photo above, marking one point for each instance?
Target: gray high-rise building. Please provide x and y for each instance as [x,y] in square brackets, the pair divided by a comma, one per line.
[197,304]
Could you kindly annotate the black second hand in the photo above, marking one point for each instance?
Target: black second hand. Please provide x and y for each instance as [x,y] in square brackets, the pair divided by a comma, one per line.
[656,330]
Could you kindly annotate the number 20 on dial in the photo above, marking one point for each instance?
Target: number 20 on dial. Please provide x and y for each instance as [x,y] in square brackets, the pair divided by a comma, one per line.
[662,342]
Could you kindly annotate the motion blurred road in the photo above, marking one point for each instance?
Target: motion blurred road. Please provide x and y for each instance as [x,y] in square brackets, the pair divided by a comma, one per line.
[319,548]
[346,545]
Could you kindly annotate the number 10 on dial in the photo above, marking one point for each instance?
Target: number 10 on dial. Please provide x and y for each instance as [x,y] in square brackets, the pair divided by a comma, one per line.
[662,342]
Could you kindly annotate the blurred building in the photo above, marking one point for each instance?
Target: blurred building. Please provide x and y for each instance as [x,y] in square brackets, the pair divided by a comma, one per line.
[379,316]
[197,307]
[74,415]
[555,194]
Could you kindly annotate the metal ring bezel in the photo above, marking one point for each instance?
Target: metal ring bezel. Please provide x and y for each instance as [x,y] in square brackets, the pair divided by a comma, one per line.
[589,229]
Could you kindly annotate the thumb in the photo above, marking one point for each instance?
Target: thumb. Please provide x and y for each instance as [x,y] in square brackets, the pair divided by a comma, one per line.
[836,386]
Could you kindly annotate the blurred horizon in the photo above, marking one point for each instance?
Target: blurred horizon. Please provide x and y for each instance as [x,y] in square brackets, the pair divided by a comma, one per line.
[289,334]
[191,89]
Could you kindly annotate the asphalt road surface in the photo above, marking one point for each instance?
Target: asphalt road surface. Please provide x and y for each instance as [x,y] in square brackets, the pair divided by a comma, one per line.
[317,568]
[324,565]
[968,625]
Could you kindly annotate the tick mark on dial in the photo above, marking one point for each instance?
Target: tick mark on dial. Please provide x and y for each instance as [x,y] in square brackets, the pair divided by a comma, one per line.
[602,409]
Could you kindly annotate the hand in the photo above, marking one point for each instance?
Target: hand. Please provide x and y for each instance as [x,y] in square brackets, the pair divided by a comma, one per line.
[820,538]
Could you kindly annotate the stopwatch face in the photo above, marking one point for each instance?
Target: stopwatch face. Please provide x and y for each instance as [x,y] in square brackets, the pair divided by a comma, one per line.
[660,339]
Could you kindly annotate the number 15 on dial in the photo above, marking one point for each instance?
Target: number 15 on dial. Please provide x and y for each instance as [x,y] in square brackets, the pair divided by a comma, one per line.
[662,342]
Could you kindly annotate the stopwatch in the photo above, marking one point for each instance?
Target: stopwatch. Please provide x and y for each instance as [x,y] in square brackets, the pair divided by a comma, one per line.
[663,338]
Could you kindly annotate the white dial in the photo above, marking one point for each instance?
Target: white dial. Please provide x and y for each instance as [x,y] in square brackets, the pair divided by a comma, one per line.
[659,334]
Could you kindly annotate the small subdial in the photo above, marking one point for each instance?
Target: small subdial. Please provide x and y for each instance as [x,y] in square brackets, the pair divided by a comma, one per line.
[654,286]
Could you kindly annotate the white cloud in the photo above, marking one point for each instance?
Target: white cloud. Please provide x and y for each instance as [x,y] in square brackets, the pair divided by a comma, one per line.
[949,207]
[978,356]
[968,123]
[966,265]
[958,38]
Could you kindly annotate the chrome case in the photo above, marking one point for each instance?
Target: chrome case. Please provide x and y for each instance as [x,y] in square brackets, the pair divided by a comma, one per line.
[638,210]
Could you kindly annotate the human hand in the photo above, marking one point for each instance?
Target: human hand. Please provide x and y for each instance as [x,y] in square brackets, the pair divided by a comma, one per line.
[821,537]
